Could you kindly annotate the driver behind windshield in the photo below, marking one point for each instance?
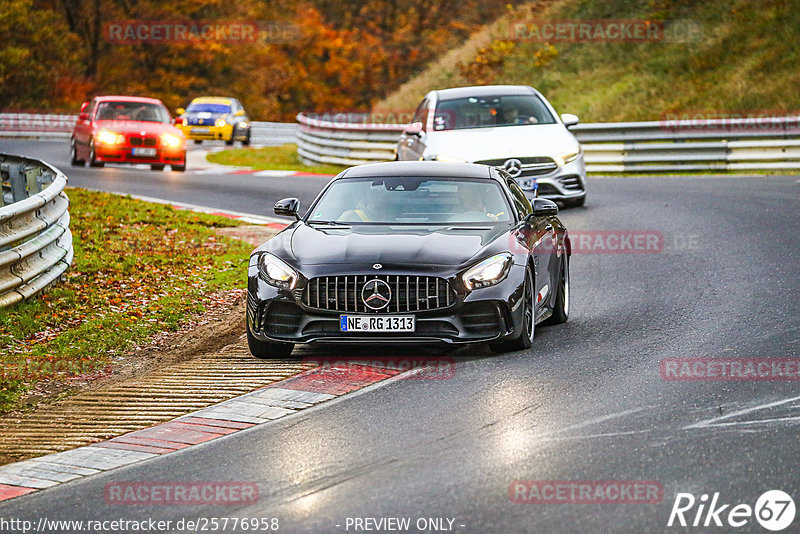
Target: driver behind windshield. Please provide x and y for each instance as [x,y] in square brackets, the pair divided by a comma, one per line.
[471,197]
[371,207]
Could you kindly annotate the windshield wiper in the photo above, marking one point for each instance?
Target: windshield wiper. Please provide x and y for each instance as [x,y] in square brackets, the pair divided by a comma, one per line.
[329,223]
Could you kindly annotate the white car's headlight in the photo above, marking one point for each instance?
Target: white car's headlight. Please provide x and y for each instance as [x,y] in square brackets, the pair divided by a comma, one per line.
[276,272]
[571,156]
[488,272]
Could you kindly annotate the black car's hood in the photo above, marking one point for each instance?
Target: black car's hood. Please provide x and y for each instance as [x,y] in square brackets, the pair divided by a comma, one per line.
[360,244]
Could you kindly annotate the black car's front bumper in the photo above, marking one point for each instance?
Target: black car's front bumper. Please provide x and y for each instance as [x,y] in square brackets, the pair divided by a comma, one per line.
[486,314]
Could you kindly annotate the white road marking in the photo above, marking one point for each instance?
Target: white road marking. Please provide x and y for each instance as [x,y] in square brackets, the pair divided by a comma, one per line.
[713,421]
[602,435]
[602,419]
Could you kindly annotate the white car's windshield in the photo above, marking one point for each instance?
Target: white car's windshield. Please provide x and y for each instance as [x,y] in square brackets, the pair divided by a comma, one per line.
[411,200]
[491,111]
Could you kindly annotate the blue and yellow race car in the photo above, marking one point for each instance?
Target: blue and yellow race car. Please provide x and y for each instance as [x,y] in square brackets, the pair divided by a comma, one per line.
[214,118]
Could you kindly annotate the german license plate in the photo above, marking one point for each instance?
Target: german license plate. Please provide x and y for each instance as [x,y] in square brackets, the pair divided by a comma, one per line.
[145,152]
[371,323]
[525,183]
[200,129]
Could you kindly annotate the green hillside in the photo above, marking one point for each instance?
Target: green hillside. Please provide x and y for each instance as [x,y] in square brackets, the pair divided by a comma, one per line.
[741,57]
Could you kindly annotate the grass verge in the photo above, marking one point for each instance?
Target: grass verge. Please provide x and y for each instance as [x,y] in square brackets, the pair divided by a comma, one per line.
[282,158]
[139,269]
[737,58]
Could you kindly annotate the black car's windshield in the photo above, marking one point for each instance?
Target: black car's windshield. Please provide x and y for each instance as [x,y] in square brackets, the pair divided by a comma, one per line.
[131,111]
[200,107]
[491,111]
[411,200]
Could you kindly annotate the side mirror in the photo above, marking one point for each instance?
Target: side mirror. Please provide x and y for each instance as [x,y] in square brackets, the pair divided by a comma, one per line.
[84,106]
[288,207]
[542,208]
[415,128]
[569,119]
[180,111]
[83,116]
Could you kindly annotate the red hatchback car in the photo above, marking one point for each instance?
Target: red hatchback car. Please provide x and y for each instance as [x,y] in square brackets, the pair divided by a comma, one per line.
[127,129]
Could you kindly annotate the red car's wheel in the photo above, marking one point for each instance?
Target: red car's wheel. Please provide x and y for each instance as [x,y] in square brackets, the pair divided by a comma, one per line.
[93,156]
[73,155]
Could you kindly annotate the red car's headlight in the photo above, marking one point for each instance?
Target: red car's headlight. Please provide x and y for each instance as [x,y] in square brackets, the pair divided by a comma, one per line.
[171,141]
[109,138]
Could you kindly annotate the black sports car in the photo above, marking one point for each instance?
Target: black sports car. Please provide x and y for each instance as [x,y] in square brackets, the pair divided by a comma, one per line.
[410,252]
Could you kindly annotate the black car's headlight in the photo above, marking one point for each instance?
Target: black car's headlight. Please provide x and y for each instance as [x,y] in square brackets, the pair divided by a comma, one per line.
[488,272]
[276,271]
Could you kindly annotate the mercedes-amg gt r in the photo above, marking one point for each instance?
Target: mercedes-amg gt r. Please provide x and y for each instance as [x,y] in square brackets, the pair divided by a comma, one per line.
[410,252]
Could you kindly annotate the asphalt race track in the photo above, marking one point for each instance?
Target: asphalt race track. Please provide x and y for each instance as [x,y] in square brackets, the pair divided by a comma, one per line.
[587,402]
[244,193]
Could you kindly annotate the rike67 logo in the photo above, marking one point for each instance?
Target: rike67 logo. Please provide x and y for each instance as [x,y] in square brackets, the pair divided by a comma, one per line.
[774,510]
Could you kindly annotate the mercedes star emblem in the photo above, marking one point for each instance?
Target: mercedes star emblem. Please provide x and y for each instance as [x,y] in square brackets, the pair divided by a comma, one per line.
[513,167]
[377,266]
[376,294]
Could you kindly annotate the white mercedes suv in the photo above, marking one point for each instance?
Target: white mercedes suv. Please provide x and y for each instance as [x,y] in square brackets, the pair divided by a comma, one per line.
[512,127]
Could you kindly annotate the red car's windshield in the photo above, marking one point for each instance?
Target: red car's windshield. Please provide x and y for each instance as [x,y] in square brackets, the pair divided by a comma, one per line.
[131,111]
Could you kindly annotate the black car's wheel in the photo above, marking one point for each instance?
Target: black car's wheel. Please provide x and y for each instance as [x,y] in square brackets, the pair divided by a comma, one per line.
[93,157]
[527,331]
[561,308]
[73,155]
[198,141]
[266,349]
[157,167]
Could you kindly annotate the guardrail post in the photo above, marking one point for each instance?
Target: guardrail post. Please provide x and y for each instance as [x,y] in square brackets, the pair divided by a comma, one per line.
[32,180]
[18,183]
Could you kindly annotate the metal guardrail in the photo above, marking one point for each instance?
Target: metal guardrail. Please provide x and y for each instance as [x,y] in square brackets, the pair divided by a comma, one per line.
[631,147]
[36,125]
[60,127]
[273,133]
[35,241]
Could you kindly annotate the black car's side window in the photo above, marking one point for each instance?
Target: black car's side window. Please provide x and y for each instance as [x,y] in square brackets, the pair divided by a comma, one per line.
[521,202]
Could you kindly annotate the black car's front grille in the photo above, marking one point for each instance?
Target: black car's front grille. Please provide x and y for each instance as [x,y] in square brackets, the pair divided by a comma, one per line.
[138,140]
[406,293]
[480,318]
